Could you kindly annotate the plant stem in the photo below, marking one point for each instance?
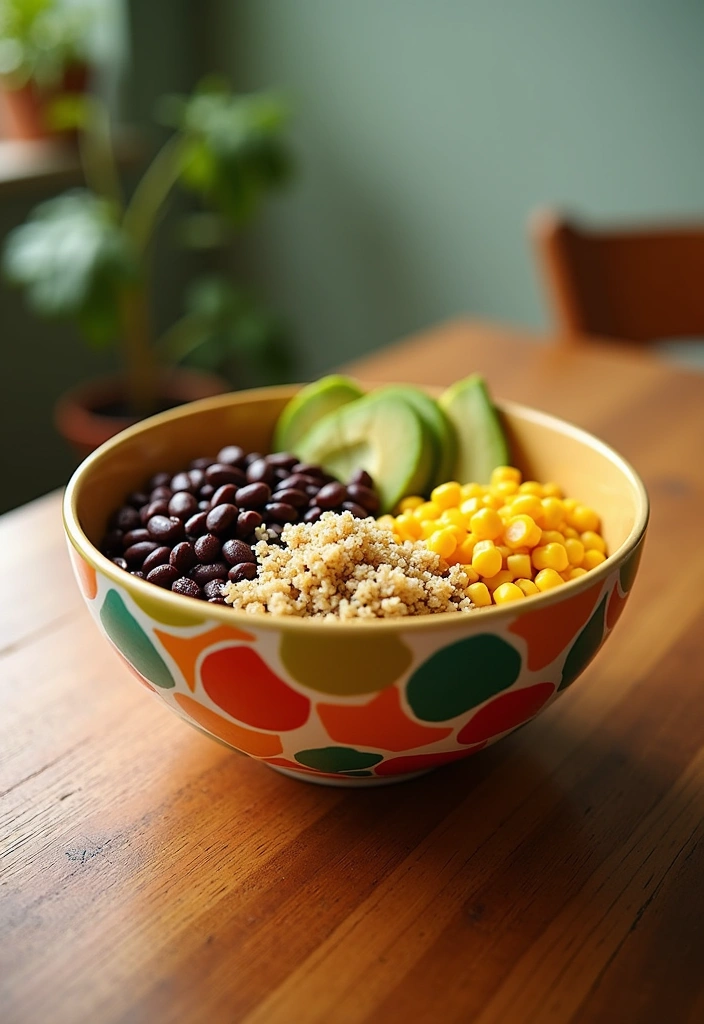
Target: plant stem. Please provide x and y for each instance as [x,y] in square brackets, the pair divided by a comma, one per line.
[97,154]
[181,338]
[145,207]
[140,362]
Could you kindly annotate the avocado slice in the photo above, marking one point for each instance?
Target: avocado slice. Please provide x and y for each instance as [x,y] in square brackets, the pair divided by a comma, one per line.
[380,433]
[309,405]
[481,442]
[440,430]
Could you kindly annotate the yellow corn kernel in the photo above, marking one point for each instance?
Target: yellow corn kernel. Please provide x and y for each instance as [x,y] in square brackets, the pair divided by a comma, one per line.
[486,560]
[494,501]
[550,556]
[471,490]
[447,495]
[531,487]
[552,490]
[465,550]
[500,577]
[469,572]
[458,532]
[442,542]
[504,550]
[593,541]
[428,510]
[527,586]
[411,502]
[505,488]
[502,473]
[453,517]
[553,513]
[527,505]
[386,522]
[575,550]
[478,593]
[520,565]
[592,558]
[428,527]
[507,592]
[521,531]
[470,506]
[575,572]
[583,518]
[569,531]
[547,579]
[408,527]
[552,537]
[486,524]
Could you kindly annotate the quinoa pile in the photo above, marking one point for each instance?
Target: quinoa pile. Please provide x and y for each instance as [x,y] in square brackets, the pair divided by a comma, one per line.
[341,567]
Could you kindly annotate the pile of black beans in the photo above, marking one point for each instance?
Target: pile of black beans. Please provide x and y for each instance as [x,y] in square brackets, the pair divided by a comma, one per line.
[191,531]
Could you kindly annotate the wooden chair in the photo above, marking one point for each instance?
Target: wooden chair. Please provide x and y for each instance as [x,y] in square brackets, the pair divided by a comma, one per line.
[639,284]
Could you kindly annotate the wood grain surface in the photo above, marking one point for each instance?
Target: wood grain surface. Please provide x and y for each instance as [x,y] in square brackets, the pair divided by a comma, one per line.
[148,874]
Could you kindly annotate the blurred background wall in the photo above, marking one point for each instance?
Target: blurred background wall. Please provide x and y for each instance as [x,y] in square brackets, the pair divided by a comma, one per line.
[425,133]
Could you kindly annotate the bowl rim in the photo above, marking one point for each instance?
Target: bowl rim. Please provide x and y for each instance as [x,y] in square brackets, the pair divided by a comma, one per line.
[224,614]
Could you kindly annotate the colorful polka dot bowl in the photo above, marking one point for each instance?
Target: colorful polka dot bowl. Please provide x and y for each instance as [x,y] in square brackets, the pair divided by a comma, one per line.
[364,702]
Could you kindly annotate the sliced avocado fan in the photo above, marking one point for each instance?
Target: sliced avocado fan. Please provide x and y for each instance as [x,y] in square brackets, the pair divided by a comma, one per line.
[440,430]
[481,441]
[310,404]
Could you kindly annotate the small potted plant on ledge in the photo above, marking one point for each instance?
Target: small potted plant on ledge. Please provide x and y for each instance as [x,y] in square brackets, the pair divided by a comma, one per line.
[86,256]
[44,52]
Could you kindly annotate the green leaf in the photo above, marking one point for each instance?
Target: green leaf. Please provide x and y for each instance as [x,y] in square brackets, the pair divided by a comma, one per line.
[72,260]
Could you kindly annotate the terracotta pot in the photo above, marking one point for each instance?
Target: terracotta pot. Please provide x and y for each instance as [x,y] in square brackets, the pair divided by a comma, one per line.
[25,108]
[80,422]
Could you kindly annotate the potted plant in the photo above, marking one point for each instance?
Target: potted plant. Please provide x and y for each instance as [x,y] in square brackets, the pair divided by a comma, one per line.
[44,52]
[86,255]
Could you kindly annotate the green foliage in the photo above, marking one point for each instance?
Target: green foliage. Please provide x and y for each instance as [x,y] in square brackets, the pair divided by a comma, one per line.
[40,38]
[72,259]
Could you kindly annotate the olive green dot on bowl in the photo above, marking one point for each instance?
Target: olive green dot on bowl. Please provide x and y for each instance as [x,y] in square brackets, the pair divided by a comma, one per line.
[337,759]
[629,569]
[584,648]
[461,676]
[334,665]
[129,638]
[357,775]
[159,610]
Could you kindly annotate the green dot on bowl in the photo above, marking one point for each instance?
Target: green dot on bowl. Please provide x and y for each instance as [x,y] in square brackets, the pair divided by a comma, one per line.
[129,637]
[584,648]
[337,759]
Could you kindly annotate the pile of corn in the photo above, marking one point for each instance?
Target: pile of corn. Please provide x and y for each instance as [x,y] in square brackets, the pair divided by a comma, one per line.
[514,538]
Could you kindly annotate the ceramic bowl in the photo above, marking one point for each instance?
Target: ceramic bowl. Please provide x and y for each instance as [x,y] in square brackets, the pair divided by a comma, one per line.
[356,703]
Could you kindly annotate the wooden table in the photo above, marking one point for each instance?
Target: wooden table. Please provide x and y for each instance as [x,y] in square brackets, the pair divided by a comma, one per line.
[149,874]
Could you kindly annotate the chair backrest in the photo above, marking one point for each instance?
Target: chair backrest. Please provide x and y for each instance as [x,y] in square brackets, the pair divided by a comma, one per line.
[634,283]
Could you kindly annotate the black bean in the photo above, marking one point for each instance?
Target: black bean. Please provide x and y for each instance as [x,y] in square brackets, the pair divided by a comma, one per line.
[224,495]
[260,470]
[167,529]
[138,573]
[217,600]
[120,562]
[213,589]
[112,542]
[207,491]
[160,507]
[207,548]
[253,495]
[292,496]
[197,477]
[126,518]
[134,537]
[252,457]
[243,571]
[247,522]
[159,556]
[313,514]
[231,455]
[158,480]
[236,551]
[280,512]
[195,526]
[221,518]
[362,477]
[137,499]
[298,481]
[162,493]
[201,463]
[281,460]
[203,574]
[219,474]
[136,553]
[308,469]
[312,489]
[182,482]
[163,575]
[187,587]
[274,530]
[183,557]
[204,505]
[364,496]
[182,504]
[355,509]
[331,496]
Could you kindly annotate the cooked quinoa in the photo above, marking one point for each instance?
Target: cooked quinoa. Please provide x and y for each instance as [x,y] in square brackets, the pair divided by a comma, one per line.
[346,568]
